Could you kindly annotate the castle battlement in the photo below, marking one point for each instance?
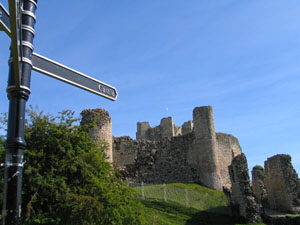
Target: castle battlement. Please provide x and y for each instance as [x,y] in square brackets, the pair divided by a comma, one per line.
[166,129]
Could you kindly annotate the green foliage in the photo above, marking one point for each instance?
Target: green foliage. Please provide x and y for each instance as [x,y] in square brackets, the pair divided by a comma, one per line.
[2,148]
[258,167]
[2,159]
[67,180]
[3,121]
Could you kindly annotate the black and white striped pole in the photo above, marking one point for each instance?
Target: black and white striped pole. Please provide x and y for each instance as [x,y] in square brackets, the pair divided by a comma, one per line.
[22,21]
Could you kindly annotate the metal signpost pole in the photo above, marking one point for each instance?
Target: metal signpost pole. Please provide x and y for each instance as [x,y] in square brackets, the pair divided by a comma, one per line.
[18,92]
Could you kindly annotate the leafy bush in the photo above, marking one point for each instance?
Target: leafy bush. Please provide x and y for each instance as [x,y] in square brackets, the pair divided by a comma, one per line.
[258,167]
[67,180]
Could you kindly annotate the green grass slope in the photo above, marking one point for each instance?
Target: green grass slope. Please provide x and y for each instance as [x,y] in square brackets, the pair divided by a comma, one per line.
[168,213]
[187,204]
[190,195]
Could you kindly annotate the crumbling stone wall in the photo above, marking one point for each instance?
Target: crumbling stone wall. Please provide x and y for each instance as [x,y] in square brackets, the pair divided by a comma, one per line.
[156,162]
[145,132]
[125,152]
[282,184]
[228,148]
[169,153]
[166,129]
[242,200]
[258,185]
[187,127]
[177,130]
[200,152]
[102,129]
[195,153]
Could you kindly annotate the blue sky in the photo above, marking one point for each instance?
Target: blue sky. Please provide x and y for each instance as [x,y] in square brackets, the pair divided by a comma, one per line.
[241,57]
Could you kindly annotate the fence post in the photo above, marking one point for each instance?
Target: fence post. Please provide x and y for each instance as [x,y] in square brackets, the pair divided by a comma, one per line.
[142,190]
[165,192]
[187,198]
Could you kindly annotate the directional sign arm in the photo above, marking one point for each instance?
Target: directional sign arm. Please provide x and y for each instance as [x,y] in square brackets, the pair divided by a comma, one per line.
[73,77]
[56,70]
[4,20]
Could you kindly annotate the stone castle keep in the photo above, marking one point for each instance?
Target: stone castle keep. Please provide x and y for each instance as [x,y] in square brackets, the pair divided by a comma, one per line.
[193,152]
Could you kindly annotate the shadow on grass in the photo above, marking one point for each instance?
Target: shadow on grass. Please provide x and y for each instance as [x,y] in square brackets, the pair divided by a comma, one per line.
[215,216]
[178,214]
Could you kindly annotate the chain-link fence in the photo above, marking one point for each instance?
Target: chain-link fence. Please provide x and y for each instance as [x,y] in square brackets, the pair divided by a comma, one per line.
[179,194]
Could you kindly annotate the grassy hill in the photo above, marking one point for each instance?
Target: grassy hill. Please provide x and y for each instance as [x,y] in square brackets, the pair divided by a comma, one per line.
[189,195]
[184,204]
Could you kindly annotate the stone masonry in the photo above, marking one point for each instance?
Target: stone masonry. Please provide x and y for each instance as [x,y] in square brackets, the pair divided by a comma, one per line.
[242,199]
[101,127]
[165,161]
[166,129]
[258,185]
[187,127]
[228,148]
[204,154]
[193,152]
[282,184]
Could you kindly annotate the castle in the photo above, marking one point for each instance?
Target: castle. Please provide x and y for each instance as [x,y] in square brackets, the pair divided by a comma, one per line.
[193,152]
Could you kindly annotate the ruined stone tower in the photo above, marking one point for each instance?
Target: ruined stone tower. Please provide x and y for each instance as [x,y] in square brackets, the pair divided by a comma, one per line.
[142,128]
[166,129]
[282,184]
[204,155]
[101,129]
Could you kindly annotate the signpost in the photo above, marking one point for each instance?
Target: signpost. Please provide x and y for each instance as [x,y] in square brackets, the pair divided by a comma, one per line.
[61,72]
[19,25]
[4,20]
[73,77]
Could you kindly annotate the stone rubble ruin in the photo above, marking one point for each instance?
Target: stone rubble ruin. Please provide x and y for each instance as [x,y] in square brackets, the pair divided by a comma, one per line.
[282,184]
[193,152]
[242,200]
[259,187]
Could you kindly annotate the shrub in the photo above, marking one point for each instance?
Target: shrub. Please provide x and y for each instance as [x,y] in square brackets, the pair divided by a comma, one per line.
[258,167]
[67,180]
